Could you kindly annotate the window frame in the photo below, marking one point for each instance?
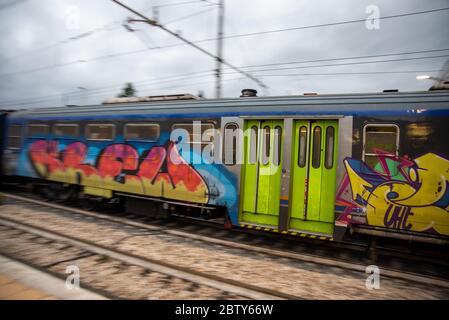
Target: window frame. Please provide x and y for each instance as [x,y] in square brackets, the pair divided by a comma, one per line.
[125,131]
[191,124]
[28,135]
[100,124]
[317,157]
[10,136]
[253,144]
[326,148]
[385,125]
[234,142]
[66,125]
[303,152]
[278,133]
[266,145]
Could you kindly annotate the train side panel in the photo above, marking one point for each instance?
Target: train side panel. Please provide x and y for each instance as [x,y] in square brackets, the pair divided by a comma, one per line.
[398,175]
[160,168]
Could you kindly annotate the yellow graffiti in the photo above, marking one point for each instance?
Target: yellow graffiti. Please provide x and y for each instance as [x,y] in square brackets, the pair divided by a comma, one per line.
[359,186]
[433,174]
[403,205]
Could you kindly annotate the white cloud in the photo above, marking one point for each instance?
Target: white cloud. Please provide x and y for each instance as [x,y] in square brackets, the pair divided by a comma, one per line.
[31,25]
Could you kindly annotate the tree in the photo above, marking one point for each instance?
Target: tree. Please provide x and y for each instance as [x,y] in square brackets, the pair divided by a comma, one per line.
[128,91]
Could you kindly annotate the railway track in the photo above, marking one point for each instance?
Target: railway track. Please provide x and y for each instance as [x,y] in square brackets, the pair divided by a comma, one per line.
[143,226]
[184,277]
[352,256]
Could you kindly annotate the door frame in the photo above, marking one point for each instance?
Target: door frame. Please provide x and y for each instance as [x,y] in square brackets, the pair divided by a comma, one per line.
[271,220]
[344,149]
[317,214]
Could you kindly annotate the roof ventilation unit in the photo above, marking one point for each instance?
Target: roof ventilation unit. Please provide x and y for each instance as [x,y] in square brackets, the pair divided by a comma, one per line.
[248,93]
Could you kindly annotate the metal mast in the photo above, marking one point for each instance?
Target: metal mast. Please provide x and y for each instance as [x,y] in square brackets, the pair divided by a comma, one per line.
[219,47]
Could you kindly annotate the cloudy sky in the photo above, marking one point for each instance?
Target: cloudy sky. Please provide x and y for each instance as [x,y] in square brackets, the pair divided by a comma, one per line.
[55,52]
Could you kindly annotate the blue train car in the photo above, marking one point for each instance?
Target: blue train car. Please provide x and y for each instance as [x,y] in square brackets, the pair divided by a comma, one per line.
[314,166]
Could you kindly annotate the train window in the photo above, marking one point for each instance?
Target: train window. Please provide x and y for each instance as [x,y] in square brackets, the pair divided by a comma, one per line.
[14,136]
[277,145]
[316,148]
[104,131]
[329,155]
[266,145]
[66,130]
[302,150]
[382,138]
[253,139]
[38,130]
[196,136]
[230,143]
[142,131]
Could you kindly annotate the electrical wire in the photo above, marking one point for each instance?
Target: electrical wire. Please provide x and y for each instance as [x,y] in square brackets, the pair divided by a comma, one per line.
[109,56]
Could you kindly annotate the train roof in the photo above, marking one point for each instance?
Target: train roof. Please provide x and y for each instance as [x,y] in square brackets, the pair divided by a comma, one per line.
[330,104]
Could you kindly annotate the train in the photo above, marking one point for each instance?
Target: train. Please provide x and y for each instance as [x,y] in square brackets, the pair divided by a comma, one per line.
[322,166]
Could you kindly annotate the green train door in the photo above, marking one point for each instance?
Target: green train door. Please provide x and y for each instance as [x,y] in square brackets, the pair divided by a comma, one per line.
[313,178]
[262,172]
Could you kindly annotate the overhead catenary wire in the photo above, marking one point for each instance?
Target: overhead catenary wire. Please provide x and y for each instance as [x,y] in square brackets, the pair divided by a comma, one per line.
[59,65]
[256,66]
[176,3]
[305,61]
[347,58]
[394,16]
[300,62]
[154,86]
[107,27]
[346,73]
[114,87]
[157,24]
[188,16]
[116,55]
[345,64]
[149,83]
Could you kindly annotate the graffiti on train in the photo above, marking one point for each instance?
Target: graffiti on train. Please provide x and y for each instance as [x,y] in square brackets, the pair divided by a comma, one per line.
[119,167]
[397,192]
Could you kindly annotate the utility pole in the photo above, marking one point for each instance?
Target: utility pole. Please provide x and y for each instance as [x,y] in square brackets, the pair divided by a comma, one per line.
[219,47]
[157,24]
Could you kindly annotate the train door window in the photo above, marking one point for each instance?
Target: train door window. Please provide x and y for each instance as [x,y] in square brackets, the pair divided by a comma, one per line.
[197,137]
[266,145]
[69,130]
[38,130]
[316,148]
[302,150]
[380,139]
[329,155]
[230,143]
[254,136]
[102,132]
[142,132]
[14,136]
[277,145]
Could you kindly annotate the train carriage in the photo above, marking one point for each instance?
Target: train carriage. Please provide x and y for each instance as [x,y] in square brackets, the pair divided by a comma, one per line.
[316,166]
